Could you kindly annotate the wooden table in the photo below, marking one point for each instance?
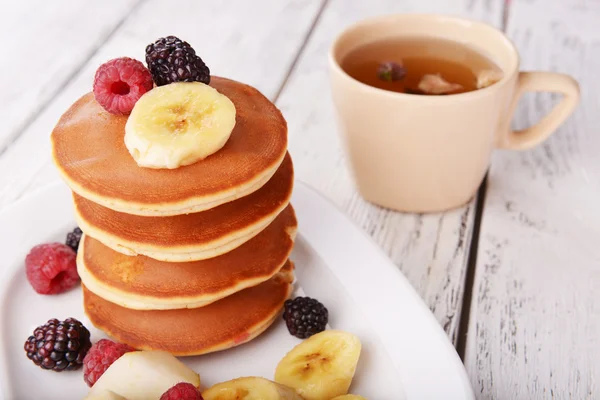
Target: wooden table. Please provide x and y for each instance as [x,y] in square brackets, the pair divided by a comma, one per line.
[513,277]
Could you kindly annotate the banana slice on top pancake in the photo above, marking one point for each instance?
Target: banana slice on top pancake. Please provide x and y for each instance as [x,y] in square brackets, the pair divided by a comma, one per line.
[89,150]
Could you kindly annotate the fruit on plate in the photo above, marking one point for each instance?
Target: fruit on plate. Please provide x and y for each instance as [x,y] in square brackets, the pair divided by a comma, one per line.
[51,268]
[322,366]
[101,356]
[58,345]
[73,238]
[178,124]
[250,388]
[143,375]
[304,316]
[349,397]
[182,391]
[171,59]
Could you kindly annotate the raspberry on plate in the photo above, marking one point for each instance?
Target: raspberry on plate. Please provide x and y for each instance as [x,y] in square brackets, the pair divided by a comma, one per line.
[120,83]
[182,391]
[51,268]
[102,354]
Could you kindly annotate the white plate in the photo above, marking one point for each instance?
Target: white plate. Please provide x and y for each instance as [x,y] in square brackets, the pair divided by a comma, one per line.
[406,355]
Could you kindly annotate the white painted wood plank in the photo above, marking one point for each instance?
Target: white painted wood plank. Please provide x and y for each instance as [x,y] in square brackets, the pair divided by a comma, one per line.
[255,42]
[44,43]
[535,316]
[431,250]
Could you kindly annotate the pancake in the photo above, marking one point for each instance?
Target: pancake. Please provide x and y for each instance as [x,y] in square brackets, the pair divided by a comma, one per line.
[143,283]
[190,237]
[229,322]
[89,151]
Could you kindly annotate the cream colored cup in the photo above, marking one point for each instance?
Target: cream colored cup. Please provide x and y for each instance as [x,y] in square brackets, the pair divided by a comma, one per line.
[430,153]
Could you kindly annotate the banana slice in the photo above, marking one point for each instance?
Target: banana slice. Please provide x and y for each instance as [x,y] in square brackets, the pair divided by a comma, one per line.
[178,124]
[142,375]
[322,366]
[349,397]
[250,388]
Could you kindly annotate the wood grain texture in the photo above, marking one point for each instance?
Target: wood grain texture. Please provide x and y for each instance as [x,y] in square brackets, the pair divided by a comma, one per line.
[431,250]
[44,45]
[535,315]
[254,42]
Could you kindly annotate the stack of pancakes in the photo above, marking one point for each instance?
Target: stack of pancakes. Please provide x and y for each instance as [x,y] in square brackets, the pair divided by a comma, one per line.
[190,260]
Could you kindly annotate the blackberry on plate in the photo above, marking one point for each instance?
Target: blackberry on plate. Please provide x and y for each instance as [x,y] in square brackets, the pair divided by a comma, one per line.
[59,345]
[305,316]
[73,238]
[170,59]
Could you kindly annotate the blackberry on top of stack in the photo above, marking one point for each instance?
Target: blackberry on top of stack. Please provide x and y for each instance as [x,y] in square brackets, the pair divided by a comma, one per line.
[181,184]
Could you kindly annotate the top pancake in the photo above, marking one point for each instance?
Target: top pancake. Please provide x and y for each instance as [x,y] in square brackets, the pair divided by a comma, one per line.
[90,153]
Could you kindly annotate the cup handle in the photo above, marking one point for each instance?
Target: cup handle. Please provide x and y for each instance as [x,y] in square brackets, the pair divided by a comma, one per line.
[541,82]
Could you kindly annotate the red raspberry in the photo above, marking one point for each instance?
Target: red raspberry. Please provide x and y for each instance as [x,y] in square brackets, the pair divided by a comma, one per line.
[182,391]
[102,354]
[51,268]
[120,83]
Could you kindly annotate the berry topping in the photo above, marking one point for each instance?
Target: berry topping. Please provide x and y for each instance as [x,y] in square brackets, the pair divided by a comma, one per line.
[171,60]
[305,316]
[182,391]
[51,268]
[73,239]
[102,354]
[120,83]
[59,345]
[391,71]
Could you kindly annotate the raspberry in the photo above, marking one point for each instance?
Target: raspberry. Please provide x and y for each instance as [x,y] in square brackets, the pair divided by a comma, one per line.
[120,83]
[170,59]
[51,268]
[58,345]
[305,316]
[182,391]
[102,354]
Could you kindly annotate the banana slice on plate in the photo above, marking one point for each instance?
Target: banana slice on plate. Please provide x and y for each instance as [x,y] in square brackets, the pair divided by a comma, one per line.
[322,366]
[349,397]
[250,388]
[178,124]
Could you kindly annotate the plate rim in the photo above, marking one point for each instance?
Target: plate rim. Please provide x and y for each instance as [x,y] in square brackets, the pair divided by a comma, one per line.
[332,214]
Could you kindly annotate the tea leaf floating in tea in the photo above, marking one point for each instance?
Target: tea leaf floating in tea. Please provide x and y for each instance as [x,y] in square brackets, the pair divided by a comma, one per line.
[488,77]
[391,71]
[435,84]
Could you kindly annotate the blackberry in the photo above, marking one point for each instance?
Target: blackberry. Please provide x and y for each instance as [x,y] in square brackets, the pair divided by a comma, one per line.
[305,316]
[73,238]
[59,345]
[171,60]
